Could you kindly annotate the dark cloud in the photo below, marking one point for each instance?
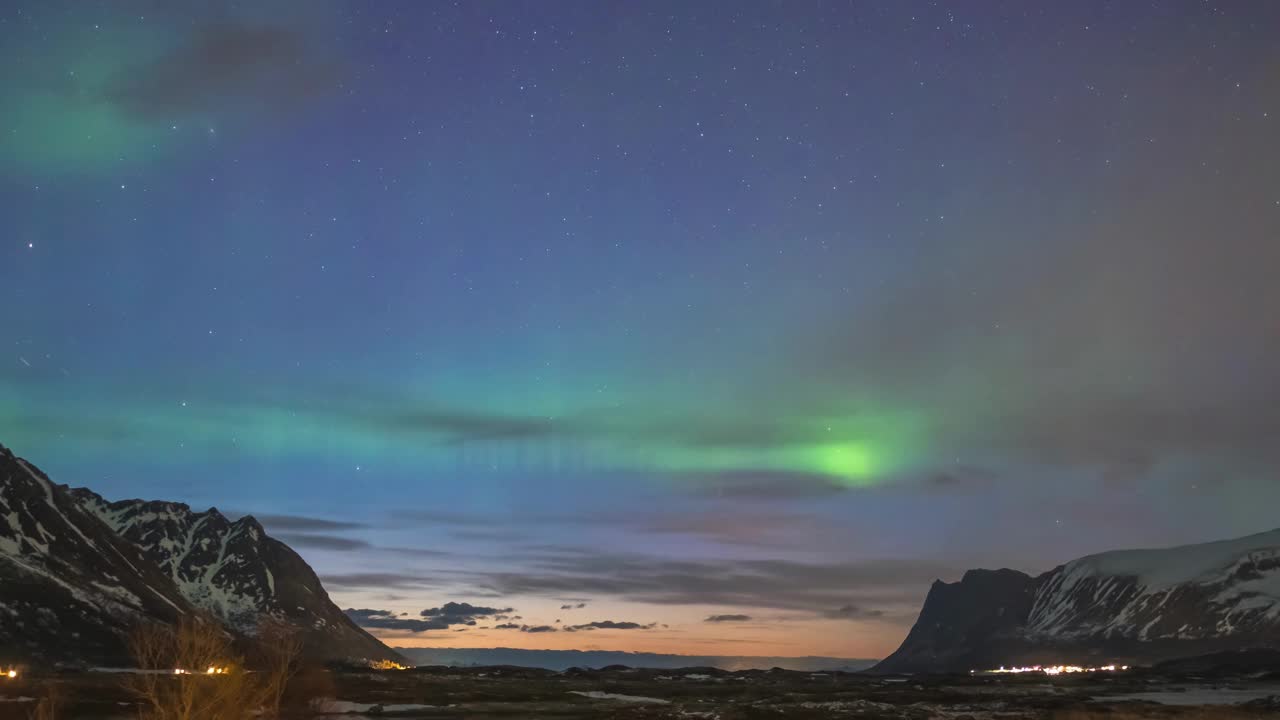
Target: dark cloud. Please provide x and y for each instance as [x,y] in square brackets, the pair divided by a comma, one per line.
[446,519]
[423,552]
[452,425]
[387,620]
[437,618]
[573,607]
[224,63]
[378,580]
[323,542]
[727,618]
[302,523]
[610,625]
[455,613]
[526,628]
[851,612]
[758,526]
[487,535]
[811,587]
[957,476]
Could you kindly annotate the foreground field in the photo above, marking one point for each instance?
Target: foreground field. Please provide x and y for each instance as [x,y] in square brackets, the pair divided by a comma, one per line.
[623,693]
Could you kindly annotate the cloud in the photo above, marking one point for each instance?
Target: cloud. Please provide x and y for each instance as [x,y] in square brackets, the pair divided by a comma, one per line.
[526,628]
[756,526]
[453,425]
[893,587]
[727,618]
[455,613]
[447,519]
[573,607]
[851,612]
[303,523]
[437,618]
[323,542]
[423,552]
[610,625]
[378,580]
[387,620]
[488,535]
[224,63]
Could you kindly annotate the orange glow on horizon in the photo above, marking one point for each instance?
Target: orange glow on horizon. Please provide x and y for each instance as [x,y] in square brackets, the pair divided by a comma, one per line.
[781,639]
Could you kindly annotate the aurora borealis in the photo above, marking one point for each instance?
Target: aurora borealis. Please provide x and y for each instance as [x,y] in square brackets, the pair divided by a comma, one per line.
[676,311]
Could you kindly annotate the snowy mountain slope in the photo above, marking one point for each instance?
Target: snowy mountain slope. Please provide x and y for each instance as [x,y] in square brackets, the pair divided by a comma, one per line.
[1131,605]
[77,572]
[236,571]
[69,586]
[1191,592]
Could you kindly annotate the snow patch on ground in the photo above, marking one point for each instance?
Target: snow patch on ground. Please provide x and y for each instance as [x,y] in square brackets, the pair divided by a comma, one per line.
[637,699]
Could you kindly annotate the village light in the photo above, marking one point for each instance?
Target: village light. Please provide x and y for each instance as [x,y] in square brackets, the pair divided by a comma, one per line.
[1055,669]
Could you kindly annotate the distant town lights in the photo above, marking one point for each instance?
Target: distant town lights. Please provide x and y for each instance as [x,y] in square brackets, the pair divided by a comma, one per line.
[1055,669]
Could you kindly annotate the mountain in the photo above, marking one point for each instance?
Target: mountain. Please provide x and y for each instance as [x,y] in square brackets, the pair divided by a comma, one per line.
[560,660]
[236,571]
[77,572]
[1128,606]
[69,585]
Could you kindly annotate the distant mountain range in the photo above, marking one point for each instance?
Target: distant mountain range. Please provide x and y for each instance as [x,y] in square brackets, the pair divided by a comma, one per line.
[594,659]
[1127,606]
[77,572]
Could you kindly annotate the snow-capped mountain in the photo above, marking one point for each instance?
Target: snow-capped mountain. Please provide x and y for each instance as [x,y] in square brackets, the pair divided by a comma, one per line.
[1134,606]
[66,579]
[236,571]
[77,572]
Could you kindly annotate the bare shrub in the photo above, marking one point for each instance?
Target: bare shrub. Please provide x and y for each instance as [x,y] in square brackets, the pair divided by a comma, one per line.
[191,672]
[50,704]
[277,650]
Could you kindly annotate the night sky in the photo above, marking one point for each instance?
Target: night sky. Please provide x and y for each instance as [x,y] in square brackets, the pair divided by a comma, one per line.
[724,327]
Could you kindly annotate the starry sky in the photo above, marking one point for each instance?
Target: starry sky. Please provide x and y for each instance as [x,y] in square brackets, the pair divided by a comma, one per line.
[709,328]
